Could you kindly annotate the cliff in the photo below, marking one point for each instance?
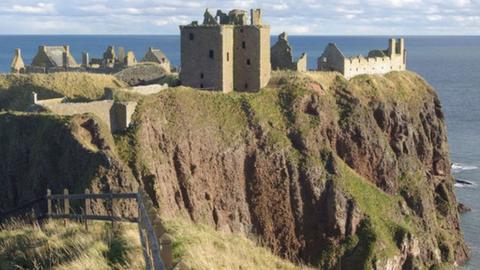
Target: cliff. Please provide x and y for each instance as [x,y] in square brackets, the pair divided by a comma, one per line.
[40,151]
[324,170]
[321,170]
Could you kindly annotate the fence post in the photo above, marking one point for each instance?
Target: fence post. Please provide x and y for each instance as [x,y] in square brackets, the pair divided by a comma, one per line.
[87,208]
[166,251]
[66,206]
[112,211]
[49,204]
[141,222]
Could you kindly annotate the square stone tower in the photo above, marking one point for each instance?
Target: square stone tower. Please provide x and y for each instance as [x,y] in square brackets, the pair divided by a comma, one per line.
[225,53]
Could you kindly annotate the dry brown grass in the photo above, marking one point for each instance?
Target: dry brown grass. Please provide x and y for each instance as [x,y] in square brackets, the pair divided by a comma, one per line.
[15,90]
[55,246]
[203,248]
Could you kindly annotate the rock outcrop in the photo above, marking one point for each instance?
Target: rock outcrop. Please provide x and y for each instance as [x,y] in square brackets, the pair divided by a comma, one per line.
[325,171]
[45,151]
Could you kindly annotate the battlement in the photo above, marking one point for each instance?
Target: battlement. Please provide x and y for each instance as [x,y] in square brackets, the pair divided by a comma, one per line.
[235,17]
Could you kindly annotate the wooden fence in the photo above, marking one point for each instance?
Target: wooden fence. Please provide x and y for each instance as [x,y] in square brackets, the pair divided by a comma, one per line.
[156,243]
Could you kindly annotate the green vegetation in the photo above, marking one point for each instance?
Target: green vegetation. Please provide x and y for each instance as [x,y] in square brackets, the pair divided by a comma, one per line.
[55,246]
[201,247]
[384,223]
[16,90]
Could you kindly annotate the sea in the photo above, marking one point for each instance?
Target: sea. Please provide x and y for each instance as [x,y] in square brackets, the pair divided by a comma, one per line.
[449,63]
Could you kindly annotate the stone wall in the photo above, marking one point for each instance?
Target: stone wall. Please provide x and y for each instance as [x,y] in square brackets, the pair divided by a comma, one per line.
[377,61]
[116,115]
[226,56]
[206,57]
[282,56]
[301,63]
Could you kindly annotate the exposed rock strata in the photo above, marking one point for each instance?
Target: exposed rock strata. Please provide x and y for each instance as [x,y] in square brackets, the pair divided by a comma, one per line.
[274,166]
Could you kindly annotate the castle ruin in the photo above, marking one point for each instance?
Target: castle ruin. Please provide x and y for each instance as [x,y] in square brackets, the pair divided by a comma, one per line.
[157,56]
[225,52]
[377,61]
[282,56]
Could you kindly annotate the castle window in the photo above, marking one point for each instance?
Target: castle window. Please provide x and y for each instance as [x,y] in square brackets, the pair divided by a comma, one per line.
[191,36]
[201,75]
[228,56]
[244,45]
[201,85]
[210,54]
[246,85]
[248,62]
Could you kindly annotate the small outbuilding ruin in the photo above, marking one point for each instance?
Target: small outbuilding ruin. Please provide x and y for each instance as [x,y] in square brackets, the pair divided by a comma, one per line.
[48,59]
[282,56]
[116,115]
[157,56]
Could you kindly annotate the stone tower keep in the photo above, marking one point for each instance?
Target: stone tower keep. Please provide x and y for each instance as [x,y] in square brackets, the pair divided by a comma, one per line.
[225,52]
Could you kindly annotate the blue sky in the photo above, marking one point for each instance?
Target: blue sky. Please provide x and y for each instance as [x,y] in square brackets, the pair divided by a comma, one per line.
[297,17]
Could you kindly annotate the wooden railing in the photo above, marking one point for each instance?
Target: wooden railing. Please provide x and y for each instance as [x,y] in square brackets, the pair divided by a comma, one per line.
[156,243]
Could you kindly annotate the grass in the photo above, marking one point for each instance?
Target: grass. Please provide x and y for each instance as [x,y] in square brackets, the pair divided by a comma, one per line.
[55,246]
[201,247]
[15,90]
[384,220]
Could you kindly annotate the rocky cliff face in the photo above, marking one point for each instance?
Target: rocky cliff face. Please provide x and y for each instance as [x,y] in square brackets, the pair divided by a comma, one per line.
[43,151]
[326,171]
[334,173]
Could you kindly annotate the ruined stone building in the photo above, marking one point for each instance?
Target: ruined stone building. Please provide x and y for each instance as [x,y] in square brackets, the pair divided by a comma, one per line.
[111,61]
[52,59]
[157,56]
[282,56]
[377,61]
[225,52]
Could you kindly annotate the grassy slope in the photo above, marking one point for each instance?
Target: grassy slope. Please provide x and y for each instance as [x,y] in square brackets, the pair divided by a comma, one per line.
[201,247]
[55,246]
[15,90]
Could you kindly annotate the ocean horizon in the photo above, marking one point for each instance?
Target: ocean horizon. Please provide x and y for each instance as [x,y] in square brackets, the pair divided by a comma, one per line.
[449,63]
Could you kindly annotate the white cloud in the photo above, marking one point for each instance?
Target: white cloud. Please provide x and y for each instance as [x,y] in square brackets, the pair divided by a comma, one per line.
[282,6]
[39,8]
[370,17]
[434,17]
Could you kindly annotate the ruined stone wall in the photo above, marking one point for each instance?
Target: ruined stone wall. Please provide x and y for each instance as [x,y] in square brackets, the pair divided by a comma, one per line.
[301,64]
[281,56]
[252,57]
[203,50]
[373,65]
[331,59]
[116,116]
[379,62]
